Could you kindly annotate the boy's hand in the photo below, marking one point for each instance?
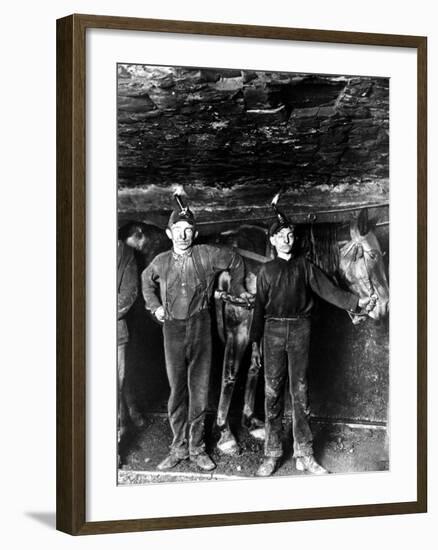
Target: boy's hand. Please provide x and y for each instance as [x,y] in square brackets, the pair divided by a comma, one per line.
[255,355]
[159,314]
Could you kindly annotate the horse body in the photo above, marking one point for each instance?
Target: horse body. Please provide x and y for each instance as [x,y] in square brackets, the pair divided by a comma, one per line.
[234,319]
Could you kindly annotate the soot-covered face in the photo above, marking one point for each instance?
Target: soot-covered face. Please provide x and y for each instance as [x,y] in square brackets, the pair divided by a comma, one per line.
[283,240]
[182,235]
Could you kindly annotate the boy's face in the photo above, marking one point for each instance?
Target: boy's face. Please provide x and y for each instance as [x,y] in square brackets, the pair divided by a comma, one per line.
[283,240]
[182,235]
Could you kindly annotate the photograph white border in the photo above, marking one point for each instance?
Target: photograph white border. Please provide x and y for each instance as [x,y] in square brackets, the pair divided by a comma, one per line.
[104,499]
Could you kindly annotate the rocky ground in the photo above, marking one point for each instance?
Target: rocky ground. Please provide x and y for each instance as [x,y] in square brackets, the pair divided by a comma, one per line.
[340,448]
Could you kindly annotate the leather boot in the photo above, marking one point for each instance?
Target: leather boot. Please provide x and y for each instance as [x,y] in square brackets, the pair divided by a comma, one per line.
[309,464]
[267,467]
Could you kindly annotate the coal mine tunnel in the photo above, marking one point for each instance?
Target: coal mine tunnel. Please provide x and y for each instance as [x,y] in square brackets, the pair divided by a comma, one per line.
[231,139]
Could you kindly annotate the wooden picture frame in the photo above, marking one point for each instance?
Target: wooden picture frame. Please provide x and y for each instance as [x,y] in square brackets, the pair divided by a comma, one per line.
[71,273]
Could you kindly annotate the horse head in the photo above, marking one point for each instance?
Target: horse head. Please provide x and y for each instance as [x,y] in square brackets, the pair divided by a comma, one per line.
[361,266]
[250,242]
[145,238]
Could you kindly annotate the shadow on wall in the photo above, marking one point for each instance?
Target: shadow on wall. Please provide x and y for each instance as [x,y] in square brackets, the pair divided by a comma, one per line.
[348,372]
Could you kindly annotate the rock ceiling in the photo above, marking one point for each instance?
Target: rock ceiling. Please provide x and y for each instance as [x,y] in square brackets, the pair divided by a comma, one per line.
[232,138]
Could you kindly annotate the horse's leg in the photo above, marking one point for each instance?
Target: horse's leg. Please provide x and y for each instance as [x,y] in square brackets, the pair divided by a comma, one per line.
[255,426]
[234,349]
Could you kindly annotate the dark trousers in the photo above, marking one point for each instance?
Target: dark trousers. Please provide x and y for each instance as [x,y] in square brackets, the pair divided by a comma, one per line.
[286,352]
[187,348]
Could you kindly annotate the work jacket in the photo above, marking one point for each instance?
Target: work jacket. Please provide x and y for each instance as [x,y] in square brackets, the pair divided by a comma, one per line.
[183,284]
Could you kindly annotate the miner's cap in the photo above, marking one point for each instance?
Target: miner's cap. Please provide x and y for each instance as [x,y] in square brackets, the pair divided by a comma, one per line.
[185,215]
[278,225]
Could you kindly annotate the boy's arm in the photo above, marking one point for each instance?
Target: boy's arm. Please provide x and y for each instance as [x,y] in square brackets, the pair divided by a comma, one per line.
[323,286]
[150,287]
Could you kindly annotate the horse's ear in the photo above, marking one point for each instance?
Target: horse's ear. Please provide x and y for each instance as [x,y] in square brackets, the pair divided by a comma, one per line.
[359,226]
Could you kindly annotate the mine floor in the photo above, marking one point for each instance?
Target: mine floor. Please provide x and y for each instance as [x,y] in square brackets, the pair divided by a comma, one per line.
[339,447]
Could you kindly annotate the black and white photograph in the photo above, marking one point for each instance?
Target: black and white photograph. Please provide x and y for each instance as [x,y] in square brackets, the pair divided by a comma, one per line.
[252,274]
